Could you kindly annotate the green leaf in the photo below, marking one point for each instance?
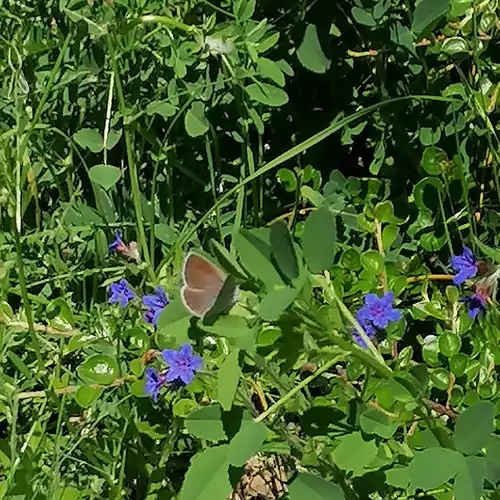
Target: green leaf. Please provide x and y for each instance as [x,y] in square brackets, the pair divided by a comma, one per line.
[207,476]
[105,175]
[269,69]
[229,326]
[376,422]
[384,212]
[421,187]
[319,240]
[183,407]
[283,250]
[206,423]
[469,482]
[113,138]
[89,138]
[493,460]
[362,16]
[372,262]
[492,253]
[473,427]
[226,260]
[427,14]
[433,467]
[354,453]
[276,302]
[455,45]
[195,121]
[287,179]
[255,251]
[312,487]
[136,340]
[162,108]
[310,53]
[99,368]
[398,477]
[228,378]
[449,344]
[246,443]
[86,395]
[267,94]
[434,160]
[389,235]
[244,9]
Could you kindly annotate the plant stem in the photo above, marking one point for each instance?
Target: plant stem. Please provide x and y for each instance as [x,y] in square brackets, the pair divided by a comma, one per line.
[26,301]
[295,390]
[134,179]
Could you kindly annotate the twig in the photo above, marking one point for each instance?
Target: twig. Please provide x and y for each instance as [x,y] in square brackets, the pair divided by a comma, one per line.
[73,388]
[430,277]
[21,325]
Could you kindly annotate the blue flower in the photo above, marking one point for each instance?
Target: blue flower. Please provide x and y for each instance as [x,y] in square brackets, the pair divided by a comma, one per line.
[120,292]
[376,313]
[117,243]
[379,311]
[465,265]
[154,382]
[476,304]
[368,328]
[183,364]
[156,303]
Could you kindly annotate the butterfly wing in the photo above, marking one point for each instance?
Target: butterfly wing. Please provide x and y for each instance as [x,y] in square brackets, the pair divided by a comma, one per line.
[197,302]
[203,281]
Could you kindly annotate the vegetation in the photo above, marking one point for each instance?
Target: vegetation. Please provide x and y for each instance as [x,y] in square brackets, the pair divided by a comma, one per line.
[331,167]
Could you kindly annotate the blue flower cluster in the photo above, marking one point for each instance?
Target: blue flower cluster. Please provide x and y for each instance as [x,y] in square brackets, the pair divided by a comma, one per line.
[376,314]
[182,367]
[120,292]
[466,267]
[183,363]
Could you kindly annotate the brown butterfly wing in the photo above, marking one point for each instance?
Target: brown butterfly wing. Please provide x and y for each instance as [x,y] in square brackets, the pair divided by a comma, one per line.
[197,302]
[200,274]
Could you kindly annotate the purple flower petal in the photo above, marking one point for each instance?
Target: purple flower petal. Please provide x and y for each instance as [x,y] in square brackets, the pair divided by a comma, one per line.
[465,265]
[187,376]
[169,356]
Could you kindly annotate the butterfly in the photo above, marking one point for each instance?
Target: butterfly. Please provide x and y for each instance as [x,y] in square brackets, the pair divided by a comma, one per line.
[207,290]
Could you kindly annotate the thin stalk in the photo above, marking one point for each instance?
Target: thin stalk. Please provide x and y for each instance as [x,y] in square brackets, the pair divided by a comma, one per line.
[443,216]
[211,169]
[272,409]
[288,155]
[108,117]
[26,302]
[357,326]
[134,179]
[170,181]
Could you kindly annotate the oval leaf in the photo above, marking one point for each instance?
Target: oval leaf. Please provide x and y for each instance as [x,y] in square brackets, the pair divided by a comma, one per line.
[99,368]
[228,378]
[105,175]
[310,53]
[474,427]
[195,120]
[319,240]
[207,477]
[311,487]
[283,250]
[206,423]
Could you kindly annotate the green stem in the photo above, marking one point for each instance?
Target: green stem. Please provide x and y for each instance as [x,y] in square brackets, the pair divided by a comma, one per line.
[134,180]
[168,21]
[26,301]
[295,390]
[291,153]
[357,326]
[443,216]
